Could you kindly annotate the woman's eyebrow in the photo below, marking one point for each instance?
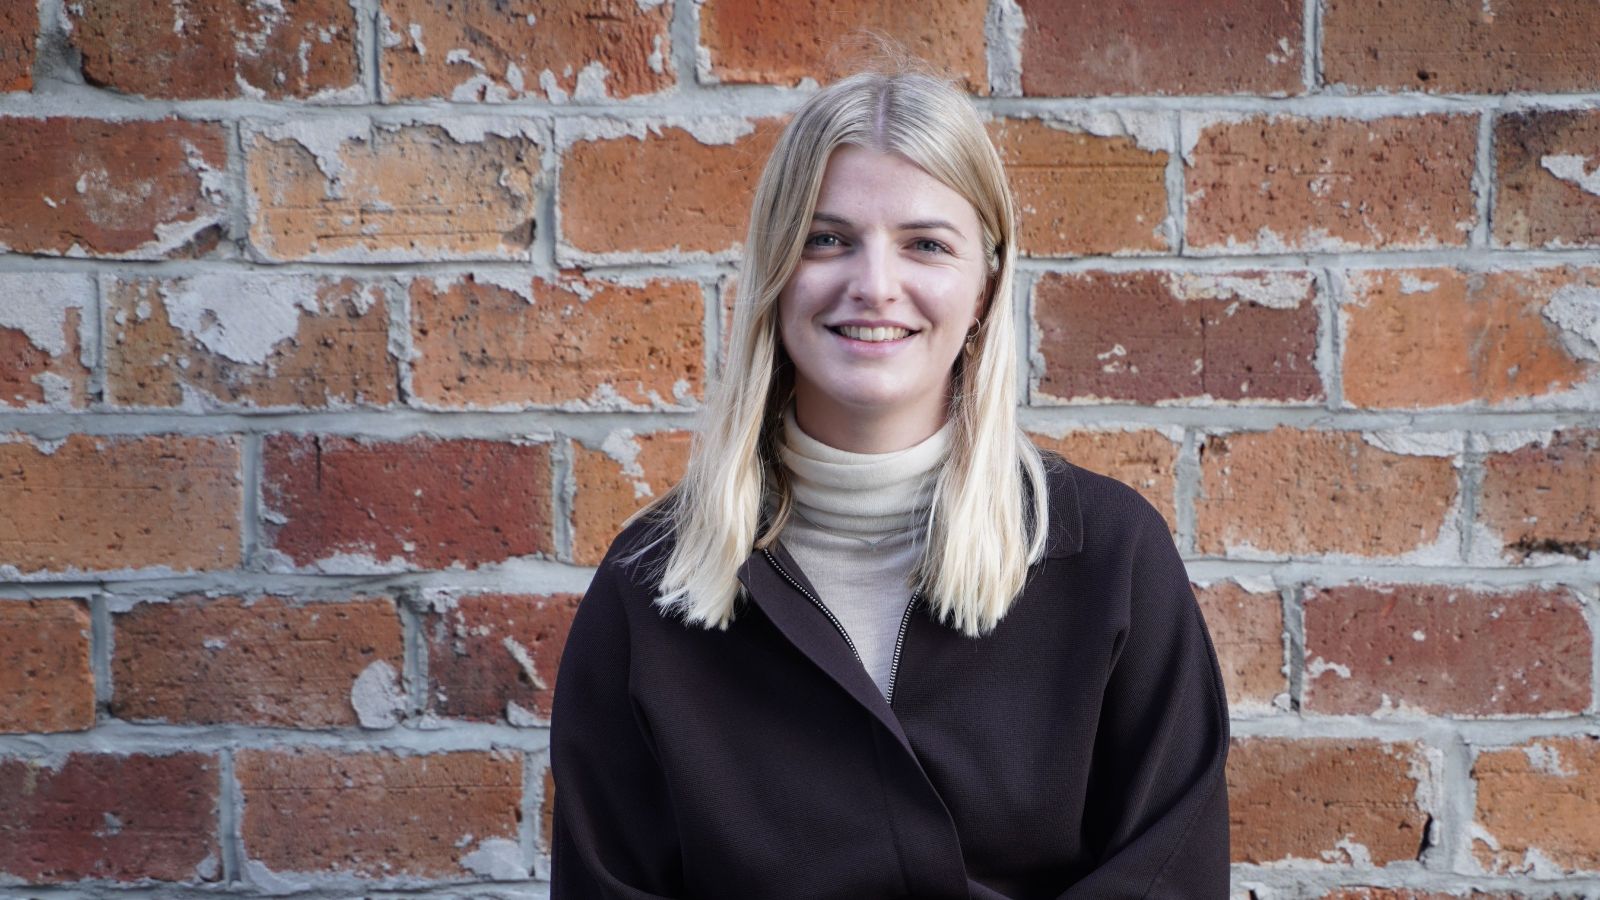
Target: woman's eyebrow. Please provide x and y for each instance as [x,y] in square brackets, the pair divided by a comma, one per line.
[915,225]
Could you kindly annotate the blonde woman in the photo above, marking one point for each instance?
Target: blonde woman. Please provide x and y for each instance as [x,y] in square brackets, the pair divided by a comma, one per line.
[874,645]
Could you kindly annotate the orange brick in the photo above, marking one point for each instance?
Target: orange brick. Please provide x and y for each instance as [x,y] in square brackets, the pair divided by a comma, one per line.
[1273,184]
[88,503]
[1084,48]
[1482,337]
[495,656]
[582,49]
[44,666]
[19,30]
[1544,498]
[1247,630]
[1082,194]
[624,474]
[255,341]
[47,339]
[531,342]
[342,190]
[1327,800]
[1144,459]
[1538,807]
[1292,493]
[1547,180]
[85,187]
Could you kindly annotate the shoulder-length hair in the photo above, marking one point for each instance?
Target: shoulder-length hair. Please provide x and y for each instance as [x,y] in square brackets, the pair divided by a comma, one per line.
[986,523]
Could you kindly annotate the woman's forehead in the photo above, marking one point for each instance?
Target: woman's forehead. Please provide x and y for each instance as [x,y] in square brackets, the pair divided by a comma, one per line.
[865,184]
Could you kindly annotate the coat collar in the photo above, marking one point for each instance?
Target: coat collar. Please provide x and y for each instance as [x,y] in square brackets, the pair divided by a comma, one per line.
[1065,531]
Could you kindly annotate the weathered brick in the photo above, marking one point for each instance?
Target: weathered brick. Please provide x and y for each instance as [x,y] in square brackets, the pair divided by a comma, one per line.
[1445,650]
[616,193]
[19,34]
[337,502]
[1273,184]
[626,472]
[1286,492]
[1544,497]
[438,815]
[525,341]
[1460,47]
[116,818]
[1087,48]
[1482,337]
[180,50]
[88,504]
[44,666]
[1145,337]
[1547,177]
[1378,893]
[494,656]
[253,340]
[1083,194]
[1144,459]
[780,43]
[547,810]
[195,660]
[1247,629]
[1327,800]
[47,339]
[1538,807]
[347,190]
[585,51]
[85,187]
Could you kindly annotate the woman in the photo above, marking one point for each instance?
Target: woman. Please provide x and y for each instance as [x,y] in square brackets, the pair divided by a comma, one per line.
[873,645]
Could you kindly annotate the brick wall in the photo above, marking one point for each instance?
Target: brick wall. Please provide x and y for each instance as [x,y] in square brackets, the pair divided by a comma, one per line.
[336,338]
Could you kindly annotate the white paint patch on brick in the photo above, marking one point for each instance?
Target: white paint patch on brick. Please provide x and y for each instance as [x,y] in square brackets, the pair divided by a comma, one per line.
[1318,667]
[475,129]
[591,85]
[1507,441]
[36,304]
[1191,125]
[241,319]
[324,139]
[1255,584]
[1546,759]
[1150,131]
[1570,167]
[706,130]
[1575,309]
[624,450]
[518,717]
[497,859]
[1275,290]
[1411,284]
[524,661]
[263,879]
[1447,444]
[376,696]
[1348,850]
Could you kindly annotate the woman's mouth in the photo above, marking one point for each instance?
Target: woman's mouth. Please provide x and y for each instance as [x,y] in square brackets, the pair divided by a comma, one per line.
[872,335]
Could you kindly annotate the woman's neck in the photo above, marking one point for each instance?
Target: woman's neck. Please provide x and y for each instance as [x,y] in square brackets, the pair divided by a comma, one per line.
[863,432]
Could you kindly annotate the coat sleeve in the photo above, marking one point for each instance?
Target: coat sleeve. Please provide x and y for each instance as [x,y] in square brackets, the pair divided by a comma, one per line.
[1157,808]
[614,832]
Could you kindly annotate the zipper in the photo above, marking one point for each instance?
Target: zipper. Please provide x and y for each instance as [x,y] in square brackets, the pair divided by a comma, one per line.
[820,605]
[899,643]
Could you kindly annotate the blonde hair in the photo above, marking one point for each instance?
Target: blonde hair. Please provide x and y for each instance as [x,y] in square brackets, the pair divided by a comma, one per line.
[986,524]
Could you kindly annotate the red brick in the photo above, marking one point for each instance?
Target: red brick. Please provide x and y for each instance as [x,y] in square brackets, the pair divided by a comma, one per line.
[1538,807]
[114,818]
[413,503]
[19,31]
[1083,194]
[44,666]
[1461,47]
[87,504]
[494,656]
[419,815]
[624,474]
[1544,498]
[1247,629]
[1085,48]
[661,193]
[185,51]
[1274,184]
[531,342]
[1286,492]
[1327,800]
[780,43]
[394,193]
[1482,337]
[84,187]
[525,48]
[1547,177]
[1444,650]
[252,341]
[266,662]
[1143,459]
[1144,337]
[47,339]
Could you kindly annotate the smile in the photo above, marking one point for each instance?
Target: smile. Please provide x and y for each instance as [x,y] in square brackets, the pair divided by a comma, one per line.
[871,335]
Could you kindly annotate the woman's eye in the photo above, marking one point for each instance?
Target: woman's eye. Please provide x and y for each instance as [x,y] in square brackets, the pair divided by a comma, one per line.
[930,245]
[824,240]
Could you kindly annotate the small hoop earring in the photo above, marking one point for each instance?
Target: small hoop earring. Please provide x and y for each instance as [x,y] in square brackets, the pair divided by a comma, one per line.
[972,333]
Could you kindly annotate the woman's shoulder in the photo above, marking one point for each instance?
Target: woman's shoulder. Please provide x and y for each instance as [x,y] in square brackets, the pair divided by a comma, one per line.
[1108,511]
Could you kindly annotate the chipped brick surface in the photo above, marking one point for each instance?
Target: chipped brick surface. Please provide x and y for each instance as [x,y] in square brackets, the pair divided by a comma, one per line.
[1544,498]
[1326,800]
[1247,630]
[1145,460]
[1151,336]
[270,661]
[83,187]
[1538,807]
[624,473]
[547,811]
[47,339]
[1482,337]
[493,657]
[343,503]
[1443,650]
[1273,184]
[532,342]
[88,503]
[113,818]
[44,666]
[1296,493]
[581,51]
[264,341]
[1547,178]
[1087,48]
[418,814]
[19,30]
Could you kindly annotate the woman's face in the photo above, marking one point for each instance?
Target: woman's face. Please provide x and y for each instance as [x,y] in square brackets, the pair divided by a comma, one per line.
[880,303]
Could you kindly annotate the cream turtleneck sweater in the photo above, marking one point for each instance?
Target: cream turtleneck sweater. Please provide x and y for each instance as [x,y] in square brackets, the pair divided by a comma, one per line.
[858,532]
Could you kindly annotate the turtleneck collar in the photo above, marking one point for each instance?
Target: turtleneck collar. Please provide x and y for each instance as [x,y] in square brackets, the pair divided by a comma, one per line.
[867,495]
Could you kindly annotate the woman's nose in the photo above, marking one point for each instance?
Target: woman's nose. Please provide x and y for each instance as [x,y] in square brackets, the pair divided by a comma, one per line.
[875,279]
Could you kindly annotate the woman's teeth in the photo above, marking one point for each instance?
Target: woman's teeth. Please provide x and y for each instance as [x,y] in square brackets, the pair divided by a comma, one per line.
[859,333]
